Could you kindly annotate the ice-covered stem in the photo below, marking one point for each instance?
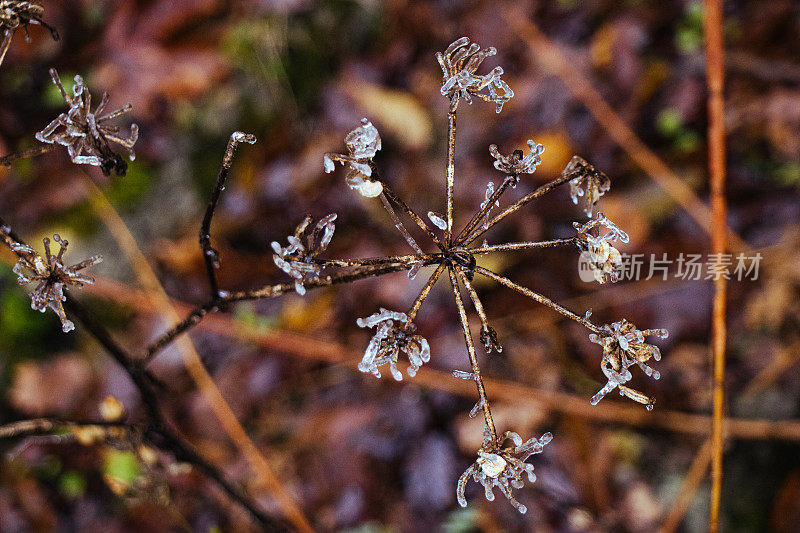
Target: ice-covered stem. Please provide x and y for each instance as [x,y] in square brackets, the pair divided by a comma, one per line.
[272,291]
[210,255]
[538,297]
[33,152]
[540,191]
[412,313]
[371,261]
[399,224]
[509,181]
[473,356]
[488,335]
[523,246]
[395,199]
[451,166]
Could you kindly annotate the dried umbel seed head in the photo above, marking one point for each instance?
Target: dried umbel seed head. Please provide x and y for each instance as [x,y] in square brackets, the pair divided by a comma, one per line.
[362,144]
[625,346]
[604,259]
[459,63]
[517,162]
[299,258]
[500,465]
[393,335]
[15,14]
[589,183]
[87,133]
[52,276]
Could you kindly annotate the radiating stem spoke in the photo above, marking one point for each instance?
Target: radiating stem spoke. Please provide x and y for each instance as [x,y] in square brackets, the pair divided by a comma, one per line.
[510,180]
[451,169]
[392,196]
[523,246]
[537,297]
[473,356]
[399,224]
[541,191]
[412,313]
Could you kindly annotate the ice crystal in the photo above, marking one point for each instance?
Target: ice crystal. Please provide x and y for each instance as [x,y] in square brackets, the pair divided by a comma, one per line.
[589,184]
[86,133]
[437,220]
[393,334]
[52,276]
[517,162]
[502,467]
[603,258]
[362,144]
[489,339]
[299,258]
[459,63]
[625,346]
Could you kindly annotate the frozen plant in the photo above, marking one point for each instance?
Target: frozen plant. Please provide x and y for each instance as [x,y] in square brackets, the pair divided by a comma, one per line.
[299,258]
[87,133]
[625,346]
[15,14]
[394,334]
[52,276]
[459,63]
[502,466]
[589,184]
[517,162]
[603,258]
[362,144]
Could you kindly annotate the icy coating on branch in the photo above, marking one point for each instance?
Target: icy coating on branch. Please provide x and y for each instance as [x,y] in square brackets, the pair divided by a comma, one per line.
[589,184]
[362,144]
[604,260]
[502,467]
[393,335]
[624,346]
[298,259]
[459,63]
[87,133]
[51,274]
[517,162]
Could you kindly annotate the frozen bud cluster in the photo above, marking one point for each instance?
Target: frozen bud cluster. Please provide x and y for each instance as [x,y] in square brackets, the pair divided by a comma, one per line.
[603,259]
[625,346]
[489,340]
[52,276]
[299,258]
[87,133]
[362,145]
[502,467]
[588,184]
[517,162]
[459,63]
[393,335]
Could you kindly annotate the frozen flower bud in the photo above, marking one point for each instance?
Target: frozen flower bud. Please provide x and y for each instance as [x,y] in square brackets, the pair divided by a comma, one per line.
[299,257]
[604,260]
[52,276]
[502,466]
[623,347]
[393,335]
[459,65]
[87,134]
[362,144]
[588,184]
[517,162]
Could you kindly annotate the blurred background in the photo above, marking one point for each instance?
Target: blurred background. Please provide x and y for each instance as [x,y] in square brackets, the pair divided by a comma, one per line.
[367,455]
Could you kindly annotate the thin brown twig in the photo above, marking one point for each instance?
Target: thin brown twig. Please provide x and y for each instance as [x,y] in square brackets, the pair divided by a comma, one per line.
[32,152]
[715,75]
[694,477]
